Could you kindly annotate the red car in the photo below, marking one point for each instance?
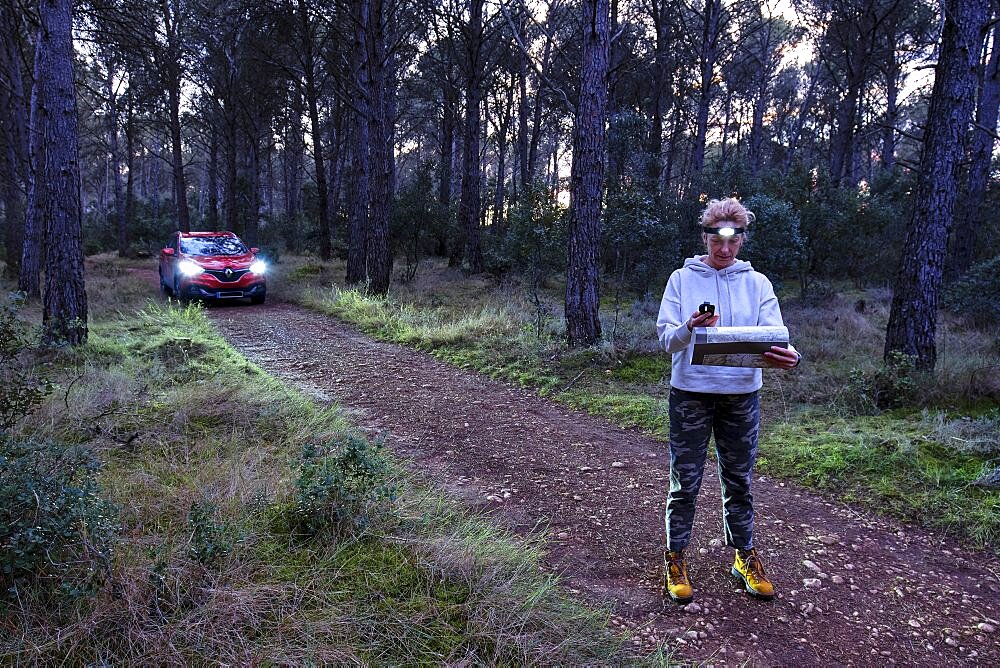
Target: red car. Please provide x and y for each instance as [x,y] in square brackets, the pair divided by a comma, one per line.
[212,265]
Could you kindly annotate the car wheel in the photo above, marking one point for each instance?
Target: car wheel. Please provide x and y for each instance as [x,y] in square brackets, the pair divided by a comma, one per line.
[258,299]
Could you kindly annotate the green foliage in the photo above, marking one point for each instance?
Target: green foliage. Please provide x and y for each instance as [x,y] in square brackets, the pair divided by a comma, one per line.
[775,245]
[21,390]
[975,295]
[339,485]
[209,542]
[56,532]
[535,239]
[418,219]
[886,386]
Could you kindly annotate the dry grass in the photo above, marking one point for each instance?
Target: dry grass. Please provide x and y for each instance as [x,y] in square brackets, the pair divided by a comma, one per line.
[183,422]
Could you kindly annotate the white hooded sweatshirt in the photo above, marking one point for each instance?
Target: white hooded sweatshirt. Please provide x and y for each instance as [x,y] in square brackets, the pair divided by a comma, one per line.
[742,298]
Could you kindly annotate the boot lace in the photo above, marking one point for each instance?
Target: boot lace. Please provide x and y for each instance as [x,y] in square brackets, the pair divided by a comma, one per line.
[755,567]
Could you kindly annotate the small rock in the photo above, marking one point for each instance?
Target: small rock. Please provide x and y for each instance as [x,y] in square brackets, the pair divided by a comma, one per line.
[822,576]
[585,468]
[811,583]
[828,540]
[702,550]
[692,634]
[692,608]
[914,623]
[715,542]
[810,565]
[563,534]
[617,465]
[986,627]
[951,642]
[702,635]
[709,627]
[837,580]
[577,497]
[753,637]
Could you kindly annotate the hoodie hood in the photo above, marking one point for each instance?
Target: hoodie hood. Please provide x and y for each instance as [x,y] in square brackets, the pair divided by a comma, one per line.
[697,264]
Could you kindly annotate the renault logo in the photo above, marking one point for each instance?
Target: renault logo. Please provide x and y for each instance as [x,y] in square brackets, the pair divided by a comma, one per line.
[229,272]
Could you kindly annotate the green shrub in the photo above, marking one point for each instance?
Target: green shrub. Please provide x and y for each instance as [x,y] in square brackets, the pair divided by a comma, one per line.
[975,295]
[209,542]
[21,391]
[340,486]
[56,531]
[775,247]
[889,385]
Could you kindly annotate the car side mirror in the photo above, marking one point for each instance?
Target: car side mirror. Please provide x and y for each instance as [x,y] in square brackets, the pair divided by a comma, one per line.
[254,250]
[168,251]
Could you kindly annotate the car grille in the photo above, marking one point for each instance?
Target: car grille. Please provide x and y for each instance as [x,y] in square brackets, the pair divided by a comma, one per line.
[227,275]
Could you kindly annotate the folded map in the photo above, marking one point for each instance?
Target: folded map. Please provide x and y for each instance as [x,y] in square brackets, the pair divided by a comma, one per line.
[735,346]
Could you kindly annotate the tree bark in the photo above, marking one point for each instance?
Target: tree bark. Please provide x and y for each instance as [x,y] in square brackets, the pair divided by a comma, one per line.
[711,28]
[65,302]
[357,230]
[378,267]
[28,281]
[14,138]
[913,317]
[173,70]
[583,323]
[115,157]
[974,213]
[470,201]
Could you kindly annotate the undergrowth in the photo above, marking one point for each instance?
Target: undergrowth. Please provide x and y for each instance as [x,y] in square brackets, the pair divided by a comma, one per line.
[252,525]
[492,327]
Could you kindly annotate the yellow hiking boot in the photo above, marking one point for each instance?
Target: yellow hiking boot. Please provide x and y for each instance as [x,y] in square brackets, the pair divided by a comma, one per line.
[749,569]
[675,578]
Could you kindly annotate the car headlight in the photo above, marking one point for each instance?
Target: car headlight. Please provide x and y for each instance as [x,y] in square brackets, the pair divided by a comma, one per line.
[258,267]
[189,268]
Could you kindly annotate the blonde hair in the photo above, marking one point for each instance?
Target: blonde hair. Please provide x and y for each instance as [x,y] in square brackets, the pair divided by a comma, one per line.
[729,210]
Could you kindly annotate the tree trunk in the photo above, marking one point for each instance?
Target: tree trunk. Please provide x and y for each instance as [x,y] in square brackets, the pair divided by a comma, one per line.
[65,302]
[448,122]
[888,157]
[13,137]
[522,104]
[536,118]
[378,260]
[212,219]
[583,323]
[312,93]
[359,197]
[116,170]
[470,201]
[913,316]
[34,222]
[176,149]
[801,120]
[706,62]
[974,213]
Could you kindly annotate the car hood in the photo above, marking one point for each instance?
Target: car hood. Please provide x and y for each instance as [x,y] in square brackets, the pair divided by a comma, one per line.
[220,262]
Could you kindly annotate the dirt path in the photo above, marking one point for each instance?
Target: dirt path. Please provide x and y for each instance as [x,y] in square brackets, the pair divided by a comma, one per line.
[853,589]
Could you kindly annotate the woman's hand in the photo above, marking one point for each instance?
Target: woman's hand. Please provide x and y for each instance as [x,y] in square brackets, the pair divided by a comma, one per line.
[701,320]
[782,358]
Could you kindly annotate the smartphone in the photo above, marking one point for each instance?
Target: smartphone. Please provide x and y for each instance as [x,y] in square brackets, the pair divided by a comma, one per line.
[707,307]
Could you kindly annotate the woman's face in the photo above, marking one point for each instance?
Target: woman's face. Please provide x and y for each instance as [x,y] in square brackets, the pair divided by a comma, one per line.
[722,251]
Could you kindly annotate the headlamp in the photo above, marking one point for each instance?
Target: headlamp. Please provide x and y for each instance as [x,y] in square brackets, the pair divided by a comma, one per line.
[189,268]
[726,231]
[258,267]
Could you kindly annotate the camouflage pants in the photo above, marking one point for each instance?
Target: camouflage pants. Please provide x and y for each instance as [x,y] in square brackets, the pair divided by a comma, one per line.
[735,421]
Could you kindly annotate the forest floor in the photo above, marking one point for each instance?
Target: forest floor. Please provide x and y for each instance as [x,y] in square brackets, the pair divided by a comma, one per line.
[854,589]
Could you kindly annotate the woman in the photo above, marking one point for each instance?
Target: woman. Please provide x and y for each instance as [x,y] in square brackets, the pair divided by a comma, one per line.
[720,400]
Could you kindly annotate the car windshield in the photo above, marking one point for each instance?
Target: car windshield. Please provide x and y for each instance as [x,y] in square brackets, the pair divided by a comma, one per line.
[213,246]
